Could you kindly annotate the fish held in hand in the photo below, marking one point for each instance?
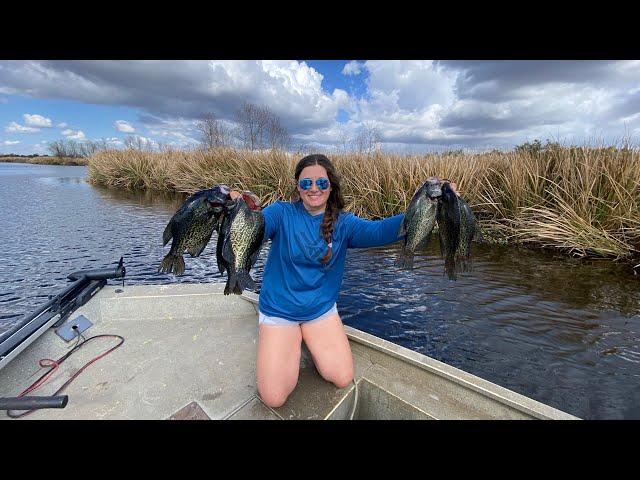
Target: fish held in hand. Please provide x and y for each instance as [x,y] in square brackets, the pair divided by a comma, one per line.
[192,226]
[419,221]
[448,217]
[240,238]
[469,231]
[458,227]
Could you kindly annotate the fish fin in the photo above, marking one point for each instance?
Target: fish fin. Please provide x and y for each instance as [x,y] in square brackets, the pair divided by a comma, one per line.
[232,281]
[405,259]
[245,281]
[464,264]
[477,235]
[443,246]
[254,256]
[197,250]
[172,263]
[221,268]
[168,232]
[219,259]
[423,243]
[227,251]
[450,267]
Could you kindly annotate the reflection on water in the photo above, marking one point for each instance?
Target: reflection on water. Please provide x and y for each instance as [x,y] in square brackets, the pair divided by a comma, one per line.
[561,331]
[147,198]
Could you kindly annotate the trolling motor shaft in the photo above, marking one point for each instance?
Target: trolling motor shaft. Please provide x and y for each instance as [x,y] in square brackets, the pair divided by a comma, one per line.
[31,403]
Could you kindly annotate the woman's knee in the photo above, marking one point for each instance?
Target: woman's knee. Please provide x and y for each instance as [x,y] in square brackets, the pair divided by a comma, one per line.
[273,397]
[344,378]
[340,377]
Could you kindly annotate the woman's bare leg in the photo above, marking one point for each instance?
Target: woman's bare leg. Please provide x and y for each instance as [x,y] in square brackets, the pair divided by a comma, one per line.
[278,363]
[330,350]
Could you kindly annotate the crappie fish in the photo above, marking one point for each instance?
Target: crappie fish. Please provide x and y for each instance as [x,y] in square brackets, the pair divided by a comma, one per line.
[448,216]
[419,221]
[469,230]
[239,240]
[458,228]
[192,225]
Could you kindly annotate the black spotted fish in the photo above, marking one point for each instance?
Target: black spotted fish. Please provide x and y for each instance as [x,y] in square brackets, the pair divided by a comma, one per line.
[419,221]
[458,227]
[239,240]
[469,231]
[448,217]
[191,227]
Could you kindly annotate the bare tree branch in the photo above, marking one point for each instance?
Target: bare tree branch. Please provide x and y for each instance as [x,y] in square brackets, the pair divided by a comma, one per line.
[213,133]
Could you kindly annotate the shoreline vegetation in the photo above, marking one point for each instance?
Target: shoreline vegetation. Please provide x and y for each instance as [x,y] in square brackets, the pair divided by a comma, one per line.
[582,202]
[44,160]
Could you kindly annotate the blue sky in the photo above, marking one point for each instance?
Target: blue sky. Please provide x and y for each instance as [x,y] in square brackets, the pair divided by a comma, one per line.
[417,106]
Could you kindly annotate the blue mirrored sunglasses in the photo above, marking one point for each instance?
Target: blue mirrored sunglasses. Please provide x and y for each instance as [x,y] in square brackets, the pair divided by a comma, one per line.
[322,183]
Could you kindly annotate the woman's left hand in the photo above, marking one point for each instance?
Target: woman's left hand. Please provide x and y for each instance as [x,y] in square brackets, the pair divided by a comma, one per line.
[453,186]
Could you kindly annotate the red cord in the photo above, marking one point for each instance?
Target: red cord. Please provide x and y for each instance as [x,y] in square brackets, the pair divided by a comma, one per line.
[55,364]
[43,379]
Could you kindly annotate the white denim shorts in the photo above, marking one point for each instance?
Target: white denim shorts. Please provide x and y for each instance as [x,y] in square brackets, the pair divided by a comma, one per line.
[266,320]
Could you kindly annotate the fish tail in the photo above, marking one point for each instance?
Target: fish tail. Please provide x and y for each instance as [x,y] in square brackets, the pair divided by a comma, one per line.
[405,259]
[232,283]
[245,281]
[450,267]
[464,264]
[172,263]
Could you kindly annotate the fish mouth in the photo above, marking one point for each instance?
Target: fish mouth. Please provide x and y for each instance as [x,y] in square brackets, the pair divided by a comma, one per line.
[217,206]
[434,187]
[218,195]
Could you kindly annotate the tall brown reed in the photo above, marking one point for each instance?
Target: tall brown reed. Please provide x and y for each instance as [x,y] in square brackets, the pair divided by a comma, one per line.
[582,201]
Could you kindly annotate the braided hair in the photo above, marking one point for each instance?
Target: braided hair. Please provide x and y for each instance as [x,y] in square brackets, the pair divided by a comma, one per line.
[335,203]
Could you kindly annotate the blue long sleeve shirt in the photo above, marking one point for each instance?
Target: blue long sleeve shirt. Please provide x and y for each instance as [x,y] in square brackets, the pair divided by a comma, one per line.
[295,284]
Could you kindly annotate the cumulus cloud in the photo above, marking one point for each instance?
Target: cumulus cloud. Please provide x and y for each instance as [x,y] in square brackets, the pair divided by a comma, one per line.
[74,134]
[124,126]
[37,121]
[413,103]
[352,68]
[11,142]
[182,88]
[14,127]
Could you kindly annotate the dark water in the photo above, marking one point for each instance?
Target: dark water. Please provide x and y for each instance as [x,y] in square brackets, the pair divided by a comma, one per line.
[564,332]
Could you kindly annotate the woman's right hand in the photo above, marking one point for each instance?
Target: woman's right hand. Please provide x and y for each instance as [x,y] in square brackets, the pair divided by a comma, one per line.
[234,194]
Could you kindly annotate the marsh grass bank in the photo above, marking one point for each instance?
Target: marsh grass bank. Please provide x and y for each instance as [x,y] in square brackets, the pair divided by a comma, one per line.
[45,160]
[580,201]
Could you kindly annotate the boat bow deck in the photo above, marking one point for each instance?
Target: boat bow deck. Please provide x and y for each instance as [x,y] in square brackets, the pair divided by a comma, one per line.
[189,353]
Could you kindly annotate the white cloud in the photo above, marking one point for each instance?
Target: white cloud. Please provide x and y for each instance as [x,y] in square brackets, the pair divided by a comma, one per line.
[182,88]
[74,134]
[124,126]
[11,142]
[353,68]
[415,103]
[36,121]
[114,142]
[62,125]
[14,127]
